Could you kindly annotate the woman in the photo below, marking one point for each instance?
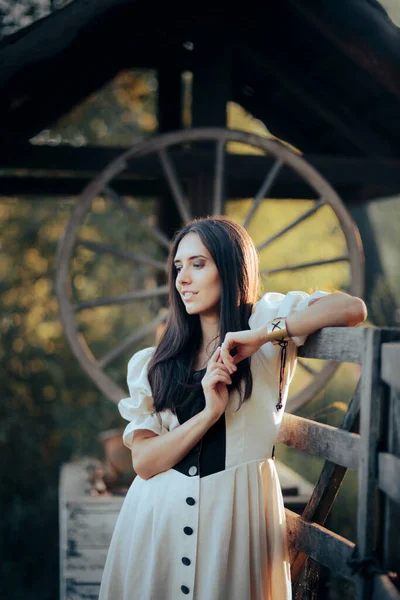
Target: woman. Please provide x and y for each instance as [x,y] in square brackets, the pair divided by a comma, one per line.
[204,518]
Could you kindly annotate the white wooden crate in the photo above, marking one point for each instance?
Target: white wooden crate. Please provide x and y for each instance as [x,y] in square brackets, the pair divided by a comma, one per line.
[86,526]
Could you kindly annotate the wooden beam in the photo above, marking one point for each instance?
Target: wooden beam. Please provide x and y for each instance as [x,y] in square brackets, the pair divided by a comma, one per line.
[370,430]
[62,186]
[390,370]
[24,48]
[366,36]
[37,62]
[70,186]
[212,74]
[389,475]
[344,122]
[339,171]
[67,186]
[329,549]
[344,344]
[169,102]
[317,439]
[328,484]
[169,110]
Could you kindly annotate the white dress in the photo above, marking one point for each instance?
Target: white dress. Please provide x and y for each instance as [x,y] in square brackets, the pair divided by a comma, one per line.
[218,536]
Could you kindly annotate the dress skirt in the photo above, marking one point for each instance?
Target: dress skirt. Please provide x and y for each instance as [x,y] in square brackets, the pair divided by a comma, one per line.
[221,537]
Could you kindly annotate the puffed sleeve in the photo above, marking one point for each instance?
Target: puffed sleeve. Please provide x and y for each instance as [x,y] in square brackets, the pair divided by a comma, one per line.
[270,306]
[138,409]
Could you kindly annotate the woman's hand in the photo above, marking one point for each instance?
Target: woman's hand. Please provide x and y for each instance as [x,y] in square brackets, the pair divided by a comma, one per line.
[244,343]
[215,382]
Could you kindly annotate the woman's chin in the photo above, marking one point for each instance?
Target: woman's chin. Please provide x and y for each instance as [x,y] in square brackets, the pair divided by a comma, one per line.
[195,310]
[191,310]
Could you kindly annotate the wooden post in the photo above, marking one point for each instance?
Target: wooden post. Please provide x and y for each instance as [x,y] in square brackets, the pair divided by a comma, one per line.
[307,586]
[210,95]
[169,119]
[370,429]
[391,510]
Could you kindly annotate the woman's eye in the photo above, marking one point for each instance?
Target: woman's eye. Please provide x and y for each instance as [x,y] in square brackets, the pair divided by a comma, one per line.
[195,265]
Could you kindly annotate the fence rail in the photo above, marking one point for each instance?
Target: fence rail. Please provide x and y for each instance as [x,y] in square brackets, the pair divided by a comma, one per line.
[318,439]
[321,544]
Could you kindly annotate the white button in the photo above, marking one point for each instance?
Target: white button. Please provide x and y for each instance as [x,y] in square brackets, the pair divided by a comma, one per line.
[192,471]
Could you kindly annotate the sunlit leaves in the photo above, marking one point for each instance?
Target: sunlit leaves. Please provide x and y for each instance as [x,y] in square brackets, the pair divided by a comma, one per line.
[120,114]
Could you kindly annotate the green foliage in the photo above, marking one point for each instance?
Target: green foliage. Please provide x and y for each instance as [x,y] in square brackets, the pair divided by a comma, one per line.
[49,411]
[121,113]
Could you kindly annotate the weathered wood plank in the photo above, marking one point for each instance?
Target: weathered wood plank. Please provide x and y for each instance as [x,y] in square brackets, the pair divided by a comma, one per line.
[331,443]
[390,370]
[389,475]
[344,344]
[18,155]
[328,484]
[391,509]
[384,589]
[306,588]
[370,425]
[83,550]
[91,525]
[82,591]
[324,546]
[86,526]
[394,422]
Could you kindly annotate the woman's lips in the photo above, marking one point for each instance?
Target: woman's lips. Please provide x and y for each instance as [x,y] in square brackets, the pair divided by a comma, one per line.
[189,297]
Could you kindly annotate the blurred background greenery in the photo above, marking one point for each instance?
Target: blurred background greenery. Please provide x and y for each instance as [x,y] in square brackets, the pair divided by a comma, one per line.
[50,410]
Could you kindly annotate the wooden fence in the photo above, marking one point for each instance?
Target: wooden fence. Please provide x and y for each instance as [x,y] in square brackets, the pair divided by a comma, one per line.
[368,441]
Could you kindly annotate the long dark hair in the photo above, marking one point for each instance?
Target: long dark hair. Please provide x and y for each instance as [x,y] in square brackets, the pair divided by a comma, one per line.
[236,259]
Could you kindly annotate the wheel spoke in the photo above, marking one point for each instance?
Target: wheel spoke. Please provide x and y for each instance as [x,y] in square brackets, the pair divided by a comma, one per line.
[264,189]
[123,254]
[289,227]
[157,234]
[306,367]
[219,178]
[174,185]
[318,263]
[125,299]
[135,337]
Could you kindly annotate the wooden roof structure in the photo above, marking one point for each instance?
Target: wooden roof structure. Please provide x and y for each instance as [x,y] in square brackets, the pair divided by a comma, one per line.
[323,76]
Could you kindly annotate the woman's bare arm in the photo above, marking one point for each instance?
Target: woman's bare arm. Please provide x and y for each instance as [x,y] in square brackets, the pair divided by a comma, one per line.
[152,453]
[335,310]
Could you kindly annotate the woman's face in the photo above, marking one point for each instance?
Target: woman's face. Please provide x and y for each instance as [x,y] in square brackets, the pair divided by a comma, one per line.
[197,279]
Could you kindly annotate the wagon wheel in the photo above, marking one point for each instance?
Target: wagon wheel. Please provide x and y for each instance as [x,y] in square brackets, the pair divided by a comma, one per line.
[175,160]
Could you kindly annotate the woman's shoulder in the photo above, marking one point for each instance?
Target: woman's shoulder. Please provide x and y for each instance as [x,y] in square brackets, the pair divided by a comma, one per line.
[271,302]
[276,304]
[289,300]
[138,364]
[141,356]
[268,298]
